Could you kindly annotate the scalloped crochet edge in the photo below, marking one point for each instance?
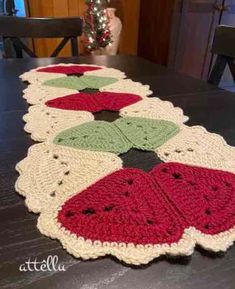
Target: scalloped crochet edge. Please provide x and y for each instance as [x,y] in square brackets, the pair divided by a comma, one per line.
[213,136]
[29,93]
[143,90]
[28,189]
[31,121]
[177,110]
[130,253]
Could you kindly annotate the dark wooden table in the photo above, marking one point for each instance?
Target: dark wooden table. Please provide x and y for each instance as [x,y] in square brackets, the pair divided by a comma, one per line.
[19,237]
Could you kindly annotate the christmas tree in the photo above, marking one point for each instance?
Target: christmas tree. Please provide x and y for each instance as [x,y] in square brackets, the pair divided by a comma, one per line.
[96,28]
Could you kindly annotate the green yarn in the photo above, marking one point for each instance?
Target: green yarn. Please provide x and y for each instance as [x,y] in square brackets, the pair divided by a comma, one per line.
[120,136]
[72,82]
[97,82]
[146,134]
[80,83]
[94,136]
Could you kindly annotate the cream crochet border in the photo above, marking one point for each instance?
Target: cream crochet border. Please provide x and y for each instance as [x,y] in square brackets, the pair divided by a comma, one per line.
[155,108]
[128,86]
[38,93]
[43,121]
[129,253]
[83,167]
[196,146]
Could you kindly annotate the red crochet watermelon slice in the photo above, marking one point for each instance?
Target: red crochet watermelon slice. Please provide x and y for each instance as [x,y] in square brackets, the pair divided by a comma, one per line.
[70,69]
[125,206]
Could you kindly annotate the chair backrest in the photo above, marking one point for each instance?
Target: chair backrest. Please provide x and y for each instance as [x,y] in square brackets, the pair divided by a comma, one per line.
[224,41]
[13,28]
[224,46]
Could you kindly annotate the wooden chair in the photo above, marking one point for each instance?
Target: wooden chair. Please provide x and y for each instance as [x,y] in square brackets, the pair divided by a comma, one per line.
[224,46]
[12,29]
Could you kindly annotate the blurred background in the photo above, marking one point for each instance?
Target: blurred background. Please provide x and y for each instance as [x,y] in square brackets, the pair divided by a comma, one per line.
[174,33]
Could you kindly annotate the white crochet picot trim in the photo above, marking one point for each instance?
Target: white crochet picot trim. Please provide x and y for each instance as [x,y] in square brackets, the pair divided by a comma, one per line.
[37,93]
[42,121]
[51,172]
[128,86]
[155,108]
[196,146]
[129,253]
[34,76]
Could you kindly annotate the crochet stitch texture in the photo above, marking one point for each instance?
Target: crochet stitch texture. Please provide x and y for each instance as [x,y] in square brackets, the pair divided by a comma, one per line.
[128,206]
[204,198]
[39,94]
[94,102]
[128,86]
[52,172]
[154,108]
[71,69]
[80,83]
[136,216]
[146,134]
[123,207]
[42,121]
[196,146]
[119,136]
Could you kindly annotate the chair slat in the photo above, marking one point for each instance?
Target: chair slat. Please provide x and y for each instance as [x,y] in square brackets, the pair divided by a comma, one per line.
[60,47]
[74,46]
[18,43]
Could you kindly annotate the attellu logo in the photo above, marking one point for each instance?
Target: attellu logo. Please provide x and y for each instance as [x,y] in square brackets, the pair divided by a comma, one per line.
[49,264]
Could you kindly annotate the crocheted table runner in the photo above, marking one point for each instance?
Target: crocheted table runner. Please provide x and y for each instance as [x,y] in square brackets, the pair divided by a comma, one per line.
[75,180]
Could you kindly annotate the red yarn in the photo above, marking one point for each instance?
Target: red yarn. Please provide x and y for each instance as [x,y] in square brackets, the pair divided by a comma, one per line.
[72,69]
[125,206]
[205,198]
[77,101]
[94,102]
[115,100]
[132,206]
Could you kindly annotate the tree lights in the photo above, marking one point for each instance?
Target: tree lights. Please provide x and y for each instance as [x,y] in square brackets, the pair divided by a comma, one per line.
[96,28]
